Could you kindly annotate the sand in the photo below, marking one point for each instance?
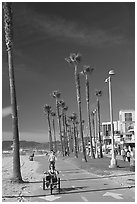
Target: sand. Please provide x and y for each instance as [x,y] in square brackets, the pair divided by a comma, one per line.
[12,192]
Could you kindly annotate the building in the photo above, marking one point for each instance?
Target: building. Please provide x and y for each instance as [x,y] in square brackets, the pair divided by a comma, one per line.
[123,130]
[127,124]
[106,132]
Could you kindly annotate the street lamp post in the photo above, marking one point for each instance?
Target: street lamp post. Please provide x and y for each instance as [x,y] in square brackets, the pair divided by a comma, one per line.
[113,162]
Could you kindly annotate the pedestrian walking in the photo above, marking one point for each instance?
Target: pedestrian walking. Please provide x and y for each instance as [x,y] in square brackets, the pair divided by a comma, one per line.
[128,155]
[123,153]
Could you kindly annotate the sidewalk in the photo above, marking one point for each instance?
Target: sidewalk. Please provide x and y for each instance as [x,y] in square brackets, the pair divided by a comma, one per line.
[100,167]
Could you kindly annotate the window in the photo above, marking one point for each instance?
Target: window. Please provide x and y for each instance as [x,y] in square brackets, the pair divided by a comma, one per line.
[109,127]
[128,116]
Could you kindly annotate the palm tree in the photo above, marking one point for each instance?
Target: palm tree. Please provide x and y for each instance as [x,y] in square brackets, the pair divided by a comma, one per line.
[56,95]
[47,111]
[87,70]
[73,118]
[53,114]
[99,93]
[74,59]
[8,38]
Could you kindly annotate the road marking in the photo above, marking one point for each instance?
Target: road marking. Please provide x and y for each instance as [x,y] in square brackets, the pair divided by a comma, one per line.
[114,195]
[84,199]
[50,198]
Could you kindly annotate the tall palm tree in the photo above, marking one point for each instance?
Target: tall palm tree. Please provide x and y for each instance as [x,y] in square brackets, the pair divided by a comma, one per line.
[47,111]
[9,38]
[74,59]
[98,94]
[53,114]
[88,70]
[73,118]
[56,95]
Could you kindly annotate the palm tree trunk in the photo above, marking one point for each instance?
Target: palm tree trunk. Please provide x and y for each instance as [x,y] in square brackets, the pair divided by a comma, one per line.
[99,136]
[59,123]
[96,134]
[55,142]
[66,135]
[8,36]
[70,138]
[93,125]
[89,119]
[50,135]
[75,140]
[77,82]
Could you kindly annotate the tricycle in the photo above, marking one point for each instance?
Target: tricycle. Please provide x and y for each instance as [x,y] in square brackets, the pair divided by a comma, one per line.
[51,180]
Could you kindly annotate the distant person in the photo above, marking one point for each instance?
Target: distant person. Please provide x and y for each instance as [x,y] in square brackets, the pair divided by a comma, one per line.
[52,159]
[119,150]
[128,155]
[123,153]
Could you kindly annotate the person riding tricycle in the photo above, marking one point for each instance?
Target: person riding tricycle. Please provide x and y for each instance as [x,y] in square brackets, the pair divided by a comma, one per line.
[51,180]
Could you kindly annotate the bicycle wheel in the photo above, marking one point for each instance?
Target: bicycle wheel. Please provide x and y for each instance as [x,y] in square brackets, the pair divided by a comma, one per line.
[43,183]
[51,188]
[59,185]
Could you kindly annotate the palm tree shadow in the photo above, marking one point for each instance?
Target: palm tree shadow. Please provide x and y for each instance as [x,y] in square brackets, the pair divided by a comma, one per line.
[94,178]
[64,190]
[32,181]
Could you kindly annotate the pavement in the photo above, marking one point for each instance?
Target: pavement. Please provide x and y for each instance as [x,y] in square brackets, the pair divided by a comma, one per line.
[91,181]
[100,166]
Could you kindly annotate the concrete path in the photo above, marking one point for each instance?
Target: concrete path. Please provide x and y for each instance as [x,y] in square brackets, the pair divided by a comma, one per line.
[78,185]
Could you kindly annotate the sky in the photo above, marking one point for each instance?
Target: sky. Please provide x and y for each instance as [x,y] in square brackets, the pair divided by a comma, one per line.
[45,34]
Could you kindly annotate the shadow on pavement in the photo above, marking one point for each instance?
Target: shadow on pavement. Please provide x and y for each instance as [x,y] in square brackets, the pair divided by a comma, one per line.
[65,170]
[71,172]
[96,190]
[93,178]
[70,191]
[72,188]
